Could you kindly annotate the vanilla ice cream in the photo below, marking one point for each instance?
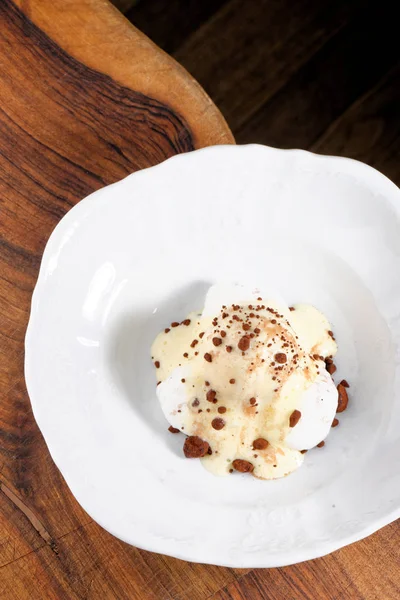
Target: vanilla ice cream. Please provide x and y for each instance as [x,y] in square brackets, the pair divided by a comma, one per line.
[247,377]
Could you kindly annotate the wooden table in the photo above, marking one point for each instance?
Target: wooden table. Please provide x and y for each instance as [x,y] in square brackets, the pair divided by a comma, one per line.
[86,99]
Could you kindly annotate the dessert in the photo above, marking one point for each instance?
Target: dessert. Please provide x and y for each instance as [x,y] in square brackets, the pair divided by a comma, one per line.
[248,380]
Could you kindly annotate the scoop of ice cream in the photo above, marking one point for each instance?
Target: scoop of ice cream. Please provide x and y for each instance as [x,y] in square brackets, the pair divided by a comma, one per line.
[317,406]
[234,374]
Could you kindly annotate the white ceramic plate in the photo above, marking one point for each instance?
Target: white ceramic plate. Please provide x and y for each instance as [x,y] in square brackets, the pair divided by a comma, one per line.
[136,255]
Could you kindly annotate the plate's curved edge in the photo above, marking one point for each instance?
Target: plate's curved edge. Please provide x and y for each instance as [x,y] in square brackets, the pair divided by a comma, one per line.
[85,205]
[308,155]
[287,559]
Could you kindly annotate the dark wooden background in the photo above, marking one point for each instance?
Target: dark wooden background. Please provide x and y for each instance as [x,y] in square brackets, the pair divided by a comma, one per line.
[84,100]
[316,74]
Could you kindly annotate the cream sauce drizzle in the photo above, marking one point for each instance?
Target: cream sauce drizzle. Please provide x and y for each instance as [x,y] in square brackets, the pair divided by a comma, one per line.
[240,376]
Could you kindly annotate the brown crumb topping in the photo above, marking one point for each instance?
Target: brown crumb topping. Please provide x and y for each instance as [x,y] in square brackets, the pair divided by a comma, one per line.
[173,429]
[260,444]
[280,358]
[211,394]
[195,447]
[343,399]
[243,466]
[244,343]
[218,423]
[294,418]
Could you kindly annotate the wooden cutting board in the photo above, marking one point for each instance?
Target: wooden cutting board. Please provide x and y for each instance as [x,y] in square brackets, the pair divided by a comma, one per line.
[85,99]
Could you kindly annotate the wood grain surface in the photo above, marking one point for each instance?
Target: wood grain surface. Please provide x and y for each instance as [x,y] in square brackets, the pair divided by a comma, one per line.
[86,99]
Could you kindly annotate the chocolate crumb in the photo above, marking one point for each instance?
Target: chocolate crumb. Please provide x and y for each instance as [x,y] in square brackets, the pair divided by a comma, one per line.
[291,308]
[221,410]
[321,444]
[257,330]
[228,348]
[186,322]
[294,418]
[195,447]
[260,444]
[303,451]
[183,380]
[217,341]
[218,423]
[343,399]
[194,343]
[157,364]
[201,334]
[158,382]
[173,429]
[167,330]
[331,368]
[175,324]
[335,422]
[243,466]
[211,394]
[344,383]
[196,402]
[207,383]
[223,334]
[280,357]
[232,381]
[244,343]
[253,401]
[246,326]
[208,357]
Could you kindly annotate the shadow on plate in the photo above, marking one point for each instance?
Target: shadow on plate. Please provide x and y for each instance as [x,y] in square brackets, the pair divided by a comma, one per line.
[129,354]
